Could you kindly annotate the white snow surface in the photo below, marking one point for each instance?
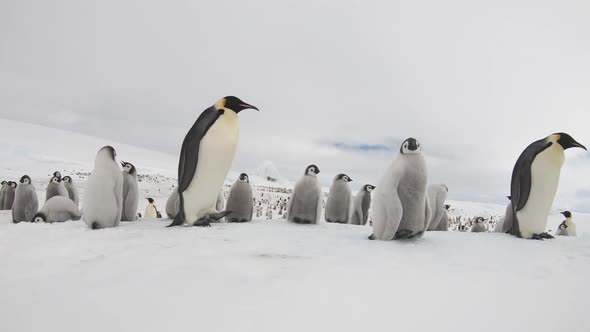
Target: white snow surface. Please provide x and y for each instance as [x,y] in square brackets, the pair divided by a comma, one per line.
[269,275]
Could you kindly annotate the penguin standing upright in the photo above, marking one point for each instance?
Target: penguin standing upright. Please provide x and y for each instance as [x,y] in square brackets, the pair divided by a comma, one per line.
[305,205]
[239,201]
[56,188]
[130,192]
[361,205]
[339,200]
[205,159]
[71,188]
[26,203]
[534,183]
[401,208]
[3,194]
[151,211]
[479,226]
[103,197]
[58,209]
[443,225]
[567,227]
[173,205]
[10,194]
[437,194]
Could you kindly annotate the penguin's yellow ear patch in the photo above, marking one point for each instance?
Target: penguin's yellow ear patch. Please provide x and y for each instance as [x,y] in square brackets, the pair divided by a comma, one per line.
[556,137]
[220,103]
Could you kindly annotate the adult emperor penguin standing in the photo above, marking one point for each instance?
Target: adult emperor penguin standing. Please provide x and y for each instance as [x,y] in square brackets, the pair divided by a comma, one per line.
[567,227]
[71,188]
[534,183]
[205,159]
[130,192]
[305,205]
[26,203]
[401,208]
[361,205]
[56,187]
[437,194]
[151,211]
[103,197]
[339,200]
[239,201]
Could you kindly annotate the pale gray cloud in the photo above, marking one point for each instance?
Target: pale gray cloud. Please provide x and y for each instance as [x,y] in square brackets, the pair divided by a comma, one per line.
[474,81]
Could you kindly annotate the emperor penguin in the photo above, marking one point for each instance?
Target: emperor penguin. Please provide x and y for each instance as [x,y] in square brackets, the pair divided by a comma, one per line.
[56,187]
[437,195]
[305,204]
[239,201]
[567,227]
[130,192]
[478,226]
[361,205]
[26,203]
[3,194]
[339,202]
[173,204]
[58,209]
[205,159]
[103,197]
[10,194]
[151,211]
[443,225]
[72,190]
[401,208]
[535,178]
[220,203]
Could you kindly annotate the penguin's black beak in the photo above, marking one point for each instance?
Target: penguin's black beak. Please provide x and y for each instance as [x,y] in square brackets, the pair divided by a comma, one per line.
[349,180]
[244,106]
[568,142]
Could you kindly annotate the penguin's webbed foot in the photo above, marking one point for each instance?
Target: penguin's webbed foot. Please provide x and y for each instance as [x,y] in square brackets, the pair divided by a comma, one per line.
[372,237]
[542,236]
[200,223]
[217,216]
[403,234]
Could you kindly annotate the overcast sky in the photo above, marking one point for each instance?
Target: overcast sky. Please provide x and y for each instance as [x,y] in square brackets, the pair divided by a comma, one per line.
[339,83]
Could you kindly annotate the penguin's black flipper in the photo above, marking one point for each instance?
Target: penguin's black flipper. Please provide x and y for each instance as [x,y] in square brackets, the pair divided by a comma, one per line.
[189,154]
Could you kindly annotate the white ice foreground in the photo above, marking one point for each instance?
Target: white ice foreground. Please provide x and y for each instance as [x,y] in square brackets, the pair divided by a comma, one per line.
[276,276]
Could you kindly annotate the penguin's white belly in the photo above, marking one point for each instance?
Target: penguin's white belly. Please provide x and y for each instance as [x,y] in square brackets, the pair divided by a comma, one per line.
[545,171]
[150,212]
[216,153]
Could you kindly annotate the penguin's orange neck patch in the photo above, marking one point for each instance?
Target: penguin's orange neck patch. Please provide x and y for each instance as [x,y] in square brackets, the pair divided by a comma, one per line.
[220,103]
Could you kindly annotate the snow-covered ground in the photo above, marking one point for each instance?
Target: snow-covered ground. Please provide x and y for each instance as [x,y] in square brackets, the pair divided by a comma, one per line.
[269,275]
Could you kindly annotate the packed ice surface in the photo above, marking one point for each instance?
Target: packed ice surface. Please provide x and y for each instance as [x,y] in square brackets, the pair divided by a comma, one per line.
[270,275]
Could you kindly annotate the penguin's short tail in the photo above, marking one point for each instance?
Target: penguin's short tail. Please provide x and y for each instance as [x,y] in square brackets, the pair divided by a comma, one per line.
[95,225]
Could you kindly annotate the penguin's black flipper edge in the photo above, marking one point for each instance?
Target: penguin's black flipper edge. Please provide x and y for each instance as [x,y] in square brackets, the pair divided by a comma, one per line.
[177,221]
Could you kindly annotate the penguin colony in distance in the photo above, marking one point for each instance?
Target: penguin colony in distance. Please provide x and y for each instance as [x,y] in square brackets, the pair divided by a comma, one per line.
[339,200]
[437,194]
[103,197]
[206,155]
[58,209]
[361,205]
[401,208]
[26,203]
[239,201]
[151,211]
[535,178]
[305,205]
[71,188]
[478,226]
[9,195]
[567,227]
[130,192]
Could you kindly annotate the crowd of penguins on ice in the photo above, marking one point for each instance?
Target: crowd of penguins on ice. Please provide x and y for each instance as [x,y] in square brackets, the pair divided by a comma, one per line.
[403,205]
